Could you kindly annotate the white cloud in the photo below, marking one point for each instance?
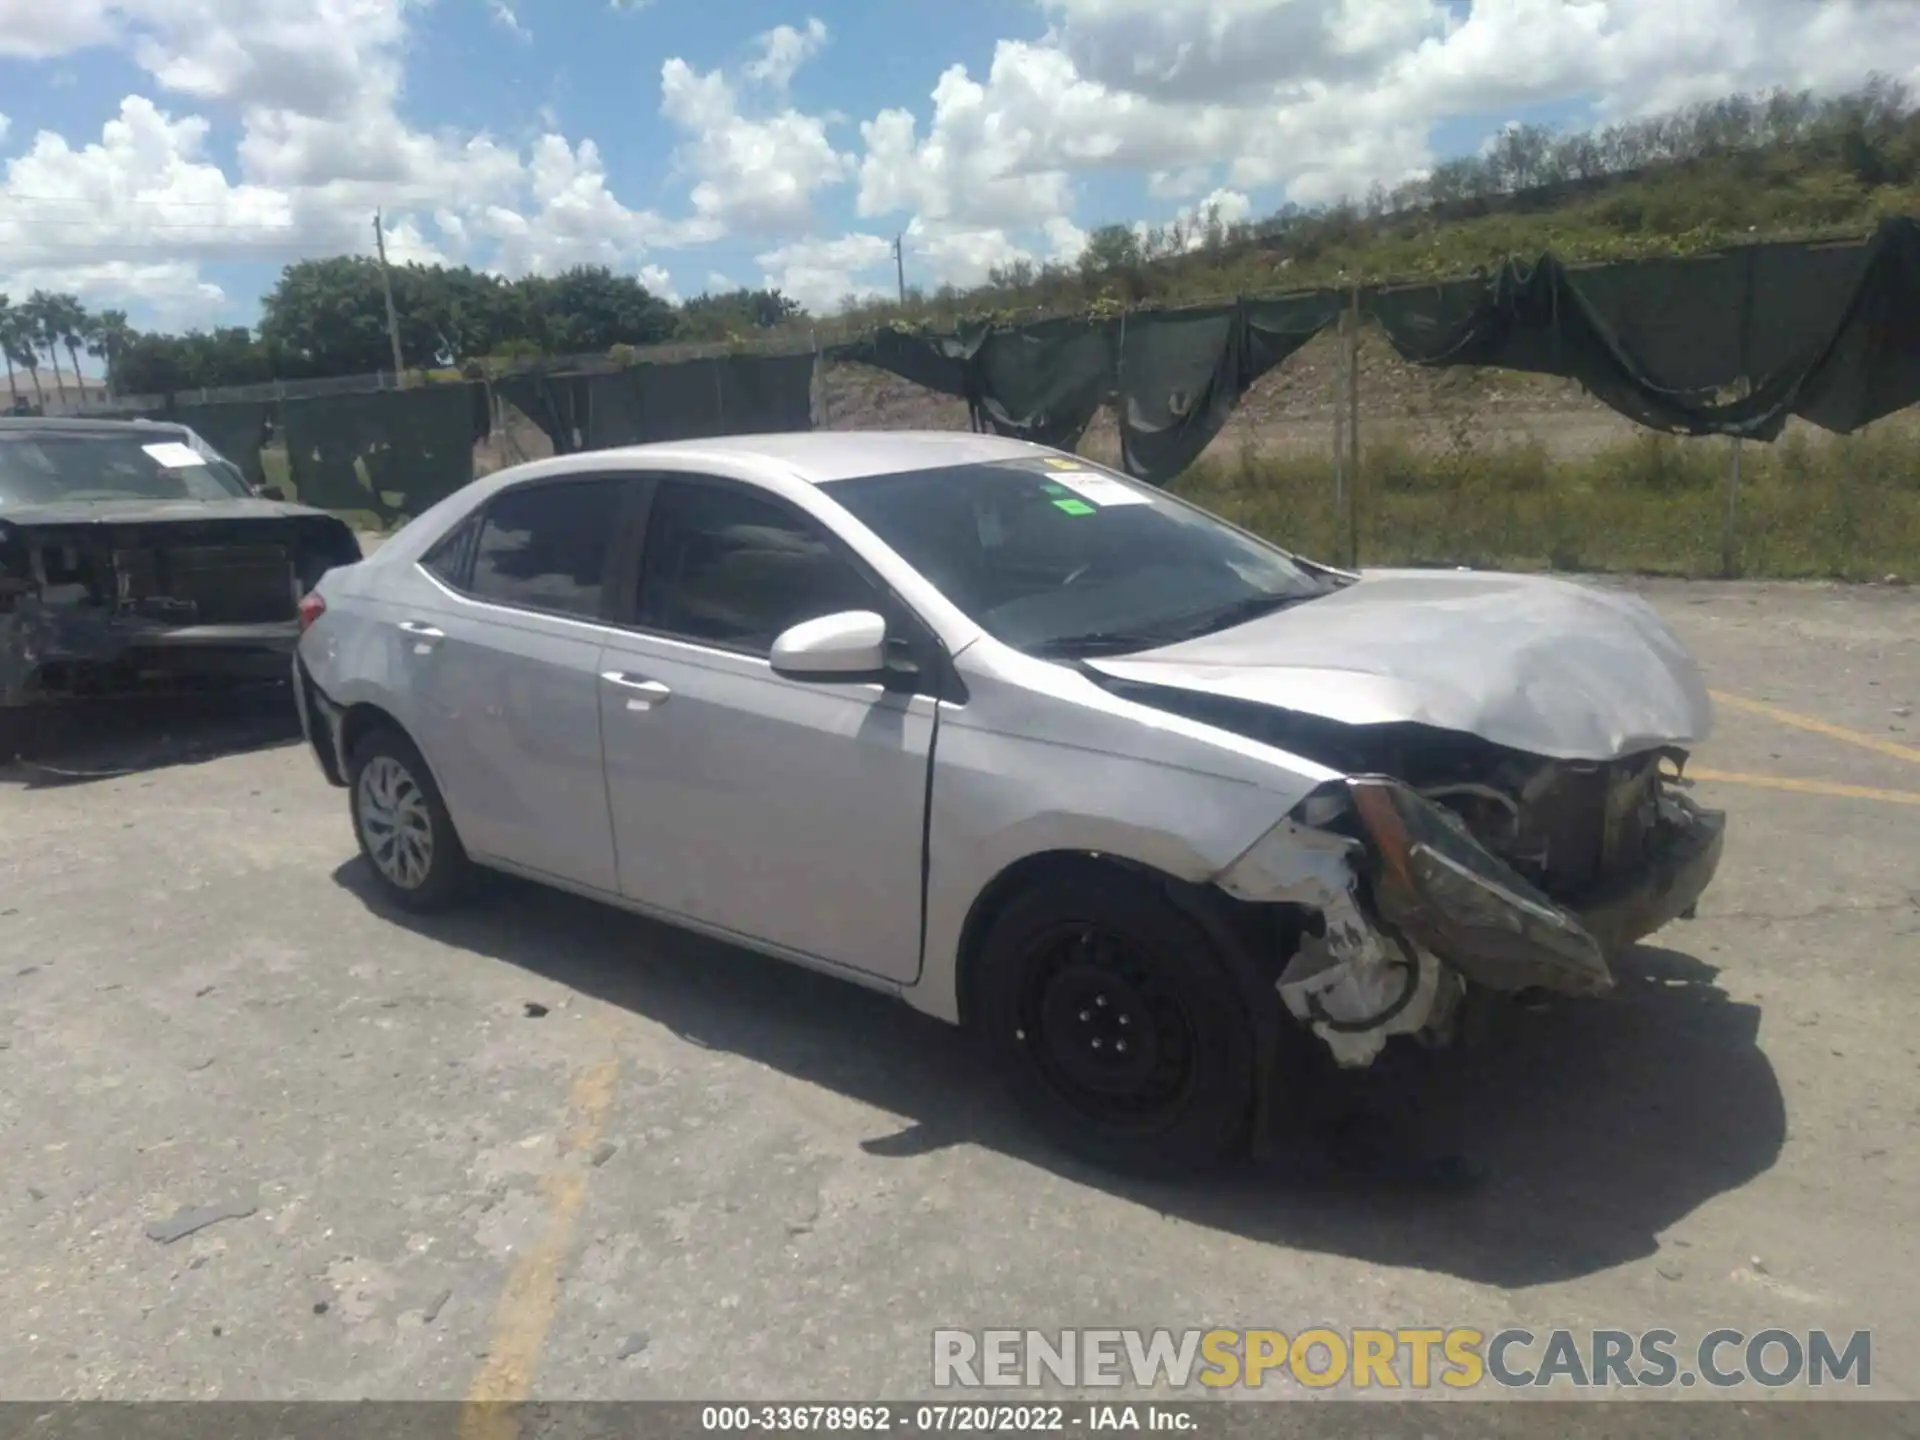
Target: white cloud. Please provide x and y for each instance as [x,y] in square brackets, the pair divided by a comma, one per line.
[656,279]
[6,124]
[575,219]
[1179,184]
[1189,228]
[1323,97]
[170,295]
[958,255]
[758,175]
[821,273]
[315,86]
[1637,56]
[40,29]
[782,51]
[1065,240]
[508,20]
[1236,50]
[407,245]
[145,185]
[320,58]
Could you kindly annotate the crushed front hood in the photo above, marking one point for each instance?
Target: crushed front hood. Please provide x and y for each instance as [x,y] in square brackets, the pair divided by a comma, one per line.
[1549,667]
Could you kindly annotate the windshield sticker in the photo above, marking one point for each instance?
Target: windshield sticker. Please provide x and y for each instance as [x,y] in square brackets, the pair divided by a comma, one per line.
[1075,507]
[987,522]
[1100,489]
[172,455]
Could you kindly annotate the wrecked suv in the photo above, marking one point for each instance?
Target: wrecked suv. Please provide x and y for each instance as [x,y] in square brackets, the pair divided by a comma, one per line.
[132,554]
[1148,802]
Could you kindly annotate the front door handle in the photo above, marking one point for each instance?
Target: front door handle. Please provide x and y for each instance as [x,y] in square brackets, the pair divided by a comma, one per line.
[642,693]
[423,635]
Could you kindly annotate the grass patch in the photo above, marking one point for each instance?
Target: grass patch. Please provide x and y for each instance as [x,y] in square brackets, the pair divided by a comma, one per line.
[1809,506]
[1841,508]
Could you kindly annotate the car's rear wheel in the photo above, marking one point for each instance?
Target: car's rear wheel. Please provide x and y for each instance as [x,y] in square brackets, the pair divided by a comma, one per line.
[402,823]
[1116,1024]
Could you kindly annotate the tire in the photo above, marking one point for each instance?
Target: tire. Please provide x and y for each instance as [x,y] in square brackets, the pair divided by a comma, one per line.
[1072,972]
[416,858]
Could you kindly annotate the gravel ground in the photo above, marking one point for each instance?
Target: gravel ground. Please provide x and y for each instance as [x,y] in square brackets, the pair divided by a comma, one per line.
[541,1148]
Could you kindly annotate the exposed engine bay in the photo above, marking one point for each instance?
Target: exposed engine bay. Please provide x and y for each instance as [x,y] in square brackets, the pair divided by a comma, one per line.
[93,607]
[1444,861]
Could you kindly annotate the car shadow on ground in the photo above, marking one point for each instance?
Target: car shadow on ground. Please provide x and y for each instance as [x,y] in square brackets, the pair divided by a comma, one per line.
[1594,1127]
[96,739]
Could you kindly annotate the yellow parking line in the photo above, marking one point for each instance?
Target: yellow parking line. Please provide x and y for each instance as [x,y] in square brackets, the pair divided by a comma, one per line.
[526,1308]
[1806,787]
[1818,727]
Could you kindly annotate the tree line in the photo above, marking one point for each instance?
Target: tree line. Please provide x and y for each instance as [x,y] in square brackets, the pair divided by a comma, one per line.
[326,318]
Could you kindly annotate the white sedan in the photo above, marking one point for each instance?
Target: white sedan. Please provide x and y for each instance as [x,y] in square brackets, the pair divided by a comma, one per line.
[1148,802]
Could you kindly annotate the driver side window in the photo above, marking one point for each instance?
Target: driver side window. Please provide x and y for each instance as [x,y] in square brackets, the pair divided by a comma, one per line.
[726,568]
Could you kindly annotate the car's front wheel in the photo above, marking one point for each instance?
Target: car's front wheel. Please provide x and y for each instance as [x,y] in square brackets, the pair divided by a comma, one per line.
[402,823]
[1118,1027]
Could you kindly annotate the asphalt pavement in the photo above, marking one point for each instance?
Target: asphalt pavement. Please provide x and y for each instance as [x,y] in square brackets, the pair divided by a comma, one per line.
[265,1140]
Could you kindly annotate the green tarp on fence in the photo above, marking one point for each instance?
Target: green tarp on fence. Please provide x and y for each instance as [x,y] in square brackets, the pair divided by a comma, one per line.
[1728,344]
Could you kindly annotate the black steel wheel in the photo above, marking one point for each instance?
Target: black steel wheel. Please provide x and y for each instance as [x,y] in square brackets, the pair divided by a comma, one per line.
[1118,1027]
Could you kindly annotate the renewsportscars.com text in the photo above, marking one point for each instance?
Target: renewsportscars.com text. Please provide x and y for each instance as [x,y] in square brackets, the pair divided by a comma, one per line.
[1457,1358]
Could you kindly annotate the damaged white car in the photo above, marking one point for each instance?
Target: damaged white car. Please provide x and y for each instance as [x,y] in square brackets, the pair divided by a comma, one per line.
[1147,801]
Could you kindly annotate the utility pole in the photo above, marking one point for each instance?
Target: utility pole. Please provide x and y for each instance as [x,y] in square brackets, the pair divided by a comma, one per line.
[393,318]
[900,268]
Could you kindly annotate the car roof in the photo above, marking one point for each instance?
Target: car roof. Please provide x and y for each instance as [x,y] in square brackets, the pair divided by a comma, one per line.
[81,425]
[821,457]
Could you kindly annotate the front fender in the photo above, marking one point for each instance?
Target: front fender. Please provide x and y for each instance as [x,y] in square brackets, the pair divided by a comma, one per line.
[999,799]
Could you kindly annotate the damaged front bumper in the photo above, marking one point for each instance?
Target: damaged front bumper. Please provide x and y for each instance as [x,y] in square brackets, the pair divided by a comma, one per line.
[1412,909]
[49,654]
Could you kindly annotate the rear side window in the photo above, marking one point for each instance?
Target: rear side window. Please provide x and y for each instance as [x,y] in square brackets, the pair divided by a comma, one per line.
[729,569]
[447,561]
[545,547]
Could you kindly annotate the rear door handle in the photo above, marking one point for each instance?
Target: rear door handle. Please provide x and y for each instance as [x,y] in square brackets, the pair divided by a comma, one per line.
[423,635]
[642,693]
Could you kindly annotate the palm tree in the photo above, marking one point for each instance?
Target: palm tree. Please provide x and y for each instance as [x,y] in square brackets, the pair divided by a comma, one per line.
[74,322]
[107,340]
[6,348]
[44,310]
[17,337]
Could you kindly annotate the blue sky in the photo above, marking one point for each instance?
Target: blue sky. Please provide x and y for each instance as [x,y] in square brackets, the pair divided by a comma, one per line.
[168,156]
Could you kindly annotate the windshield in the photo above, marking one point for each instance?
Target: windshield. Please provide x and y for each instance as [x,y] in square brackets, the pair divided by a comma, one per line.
[1059,556]
[39,467]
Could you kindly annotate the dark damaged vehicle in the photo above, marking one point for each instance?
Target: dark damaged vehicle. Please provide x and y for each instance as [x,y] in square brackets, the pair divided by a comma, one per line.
[1149,802]
[132,554]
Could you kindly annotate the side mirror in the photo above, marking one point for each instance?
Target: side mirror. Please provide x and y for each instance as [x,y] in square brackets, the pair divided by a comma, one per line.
[269,492]
[851,645]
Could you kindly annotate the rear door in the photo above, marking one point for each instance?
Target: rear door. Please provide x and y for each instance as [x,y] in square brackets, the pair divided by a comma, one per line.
[785,812]
[504,665]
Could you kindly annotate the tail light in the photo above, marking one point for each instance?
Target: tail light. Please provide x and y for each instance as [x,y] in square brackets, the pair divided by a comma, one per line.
[312,607]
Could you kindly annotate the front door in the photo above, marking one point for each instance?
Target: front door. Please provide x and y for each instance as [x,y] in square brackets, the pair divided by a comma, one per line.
[786,812]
